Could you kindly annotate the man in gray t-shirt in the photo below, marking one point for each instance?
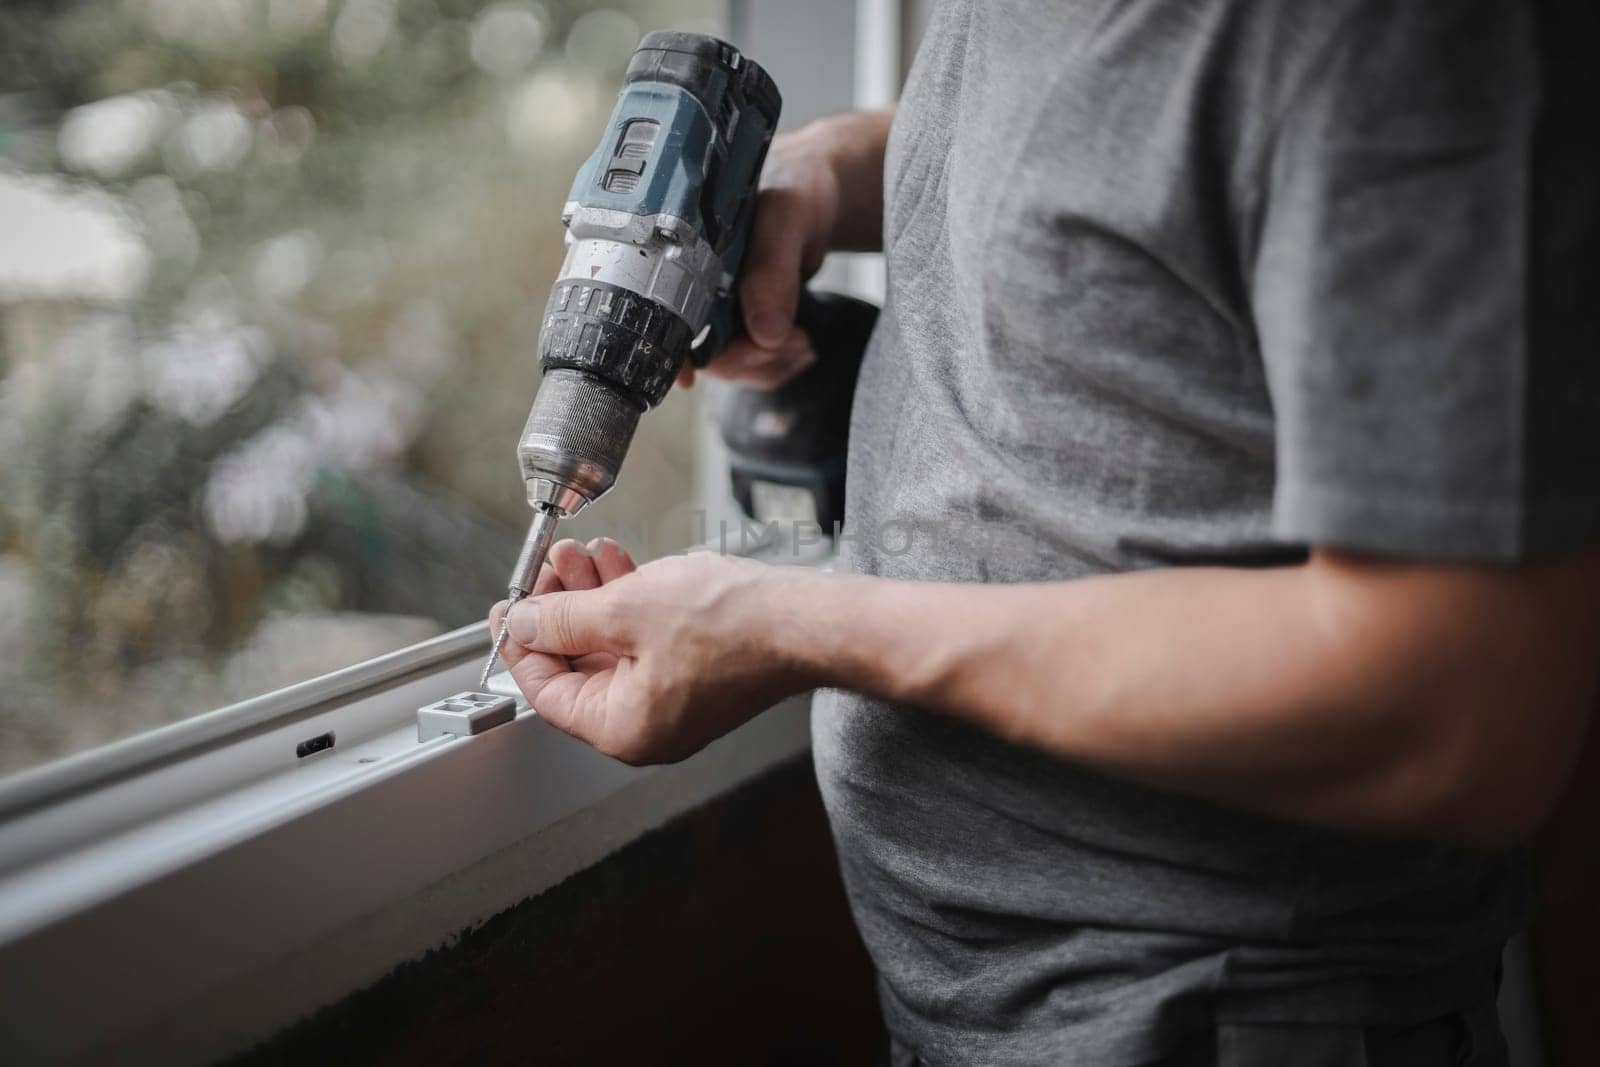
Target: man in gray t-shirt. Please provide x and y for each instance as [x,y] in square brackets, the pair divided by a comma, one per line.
[1223,477]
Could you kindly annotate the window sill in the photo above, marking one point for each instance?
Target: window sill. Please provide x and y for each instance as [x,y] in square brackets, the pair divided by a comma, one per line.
[201,887]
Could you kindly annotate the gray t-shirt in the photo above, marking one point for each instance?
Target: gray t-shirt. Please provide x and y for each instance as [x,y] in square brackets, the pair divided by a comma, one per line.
[1180,282]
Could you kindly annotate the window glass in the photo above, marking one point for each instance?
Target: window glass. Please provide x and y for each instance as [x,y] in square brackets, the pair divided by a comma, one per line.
[271,274]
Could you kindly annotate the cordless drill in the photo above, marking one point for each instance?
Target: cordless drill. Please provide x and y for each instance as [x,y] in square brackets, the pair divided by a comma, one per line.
[657,223]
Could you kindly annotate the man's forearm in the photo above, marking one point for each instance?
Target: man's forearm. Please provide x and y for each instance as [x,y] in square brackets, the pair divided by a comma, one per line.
[1328,693]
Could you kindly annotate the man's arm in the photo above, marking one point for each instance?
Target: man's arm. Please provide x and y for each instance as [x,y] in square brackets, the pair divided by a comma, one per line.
[1445,701]
[1441,700]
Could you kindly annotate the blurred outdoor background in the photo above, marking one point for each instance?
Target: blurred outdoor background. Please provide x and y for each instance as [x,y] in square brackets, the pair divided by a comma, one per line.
[271,273]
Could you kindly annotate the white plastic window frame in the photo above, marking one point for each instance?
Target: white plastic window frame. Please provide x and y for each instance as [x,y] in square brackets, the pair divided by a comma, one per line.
[185,893]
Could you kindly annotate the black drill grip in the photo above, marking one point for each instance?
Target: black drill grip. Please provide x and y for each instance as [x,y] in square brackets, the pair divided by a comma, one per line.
[797,434]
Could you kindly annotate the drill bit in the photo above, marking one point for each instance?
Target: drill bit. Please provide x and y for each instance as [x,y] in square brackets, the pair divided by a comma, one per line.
[499,645]
[534,549]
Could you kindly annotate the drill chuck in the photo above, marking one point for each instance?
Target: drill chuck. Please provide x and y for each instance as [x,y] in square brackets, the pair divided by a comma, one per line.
[575,439]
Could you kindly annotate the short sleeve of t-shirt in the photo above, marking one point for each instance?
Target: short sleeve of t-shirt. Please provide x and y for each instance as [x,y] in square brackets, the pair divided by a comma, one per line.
[1427,228]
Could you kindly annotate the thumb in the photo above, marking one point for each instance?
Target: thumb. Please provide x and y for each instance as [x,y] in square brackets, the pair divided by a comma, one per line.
[571,623]
[770,286]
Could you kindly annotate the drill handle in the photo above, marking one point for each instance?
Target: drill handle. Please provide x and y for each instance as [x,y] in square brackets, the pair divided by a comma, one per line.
[839,327]
[796,434]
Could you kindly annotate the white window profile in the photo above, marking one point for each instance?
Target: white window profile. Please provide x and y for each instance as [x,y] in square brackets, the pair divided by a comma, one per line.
[185,893]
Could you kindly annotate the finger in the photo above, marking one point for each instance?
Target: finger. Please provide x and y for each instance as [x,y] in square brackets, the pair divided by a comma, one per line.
[573,623]
[770,287]
[569,702]
[528,669]
[574,565]
[686,376]
[746,362]
[535,671]
[611,560]
[547,582]
[512,652]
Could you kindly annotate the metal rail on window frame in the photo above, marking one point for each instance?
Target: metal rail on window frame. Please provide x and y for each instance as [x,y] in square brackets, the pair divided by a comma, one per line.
[96,768]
